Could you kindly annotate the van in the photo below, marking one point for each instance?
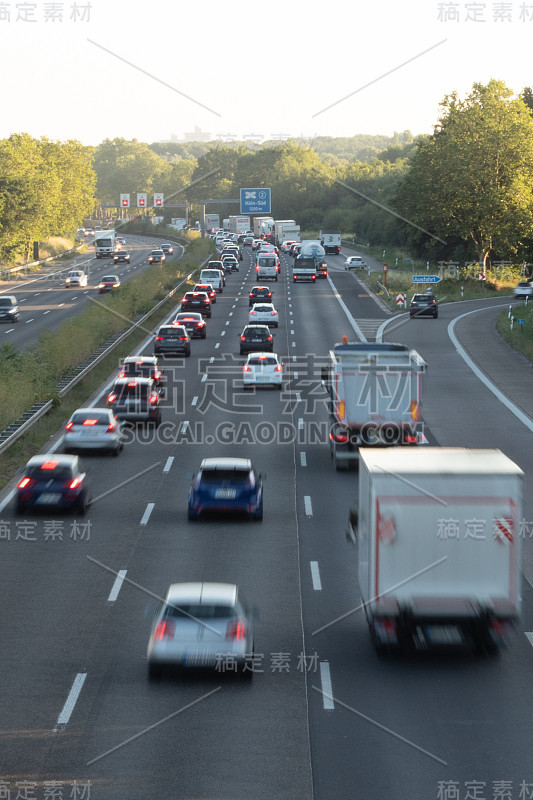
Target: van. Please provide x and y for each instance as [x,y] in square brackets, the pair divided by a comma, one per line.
[267,267]
[214,277]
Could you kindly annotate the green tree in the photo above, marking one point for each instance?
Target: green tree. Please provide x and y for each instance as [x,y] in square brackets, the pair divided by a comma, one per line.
[471,181]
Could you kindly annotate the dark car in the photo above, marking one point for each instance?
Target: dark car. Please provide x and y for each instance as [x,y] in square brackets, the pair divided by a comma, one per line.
[424,305]
[295,250]
[208,289]
[167,249]
[156,257]
[240,238]
[142,367]
[108,283]
[226,484]
[172,340]
[135,400]
[53,481]
[9,309]
[196,301]
[248,241]
[121,256]
[256,338]
[259,294]
[193,323]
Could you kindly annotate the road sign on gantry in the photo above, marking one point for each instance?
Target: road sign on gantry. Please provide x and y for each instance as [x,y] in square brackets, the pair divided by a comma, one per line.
[142,199]
[255,201]
[124,200]
[158,199]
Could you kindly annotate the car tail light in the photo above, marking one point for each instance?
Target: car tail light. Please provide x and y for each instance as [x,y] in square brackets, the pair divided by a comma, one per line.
[165,630]
[236,630]
[183,338]
[262,357]
[243,338]
[206,299]
[161,338]
[153,398]
[270,339]
[111,428]
[90,421]
[274,313]
[49,465]
[246,368]
[278,368]
[157,375]
[121,374]
[26,483]
[69,425]
[75,483]
[410,439]
[111,398]
[200,324]
[253,313]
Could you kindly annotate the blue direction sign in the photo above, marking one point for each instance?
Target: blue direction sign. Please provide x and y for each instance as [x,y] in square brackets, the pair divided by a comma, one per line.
[255,201]
[426,279]
[520,321]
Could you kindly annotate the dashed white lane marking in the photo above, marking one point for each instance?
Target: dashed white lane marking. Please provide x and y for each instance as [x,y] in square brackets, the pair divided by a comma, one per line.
[315,575]
[303,459]
[308,506]
[119,580]
[146,516]
[327,689]
[184,426]
[71,700]
[168,464]
[204,378]
[217,345]
[194,401]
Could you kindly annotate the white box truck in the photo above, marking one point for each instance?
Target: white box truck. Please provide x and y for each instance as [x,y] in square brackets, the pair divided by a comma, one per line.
[331,241]
[374,398]
[104,244]
[239,224]
[212,222]
[437,532]
[179,223]
[278,230]
[262,226]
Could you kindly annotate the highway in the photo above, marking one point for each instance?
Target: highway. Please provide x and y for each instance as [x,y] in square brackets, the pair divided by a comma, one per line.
[45,302]
[323,718]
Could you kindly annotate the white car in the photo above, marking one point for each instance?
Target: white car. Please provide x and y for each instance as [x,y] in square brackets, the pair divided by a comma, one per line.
[262,368]
[354,262]
[524,289]
[203,625]
[263,314]
[93,429]
[286,246]
[76,278]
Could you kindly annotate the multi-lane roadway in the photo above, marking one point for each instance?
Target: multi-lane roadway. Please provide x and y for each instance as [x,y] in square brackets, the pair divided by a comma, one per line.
[323,717]
[45,302]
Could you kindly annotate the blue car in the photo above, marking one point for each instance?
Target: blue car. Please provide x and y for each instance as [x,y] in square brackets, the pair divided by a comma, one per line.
[227,485]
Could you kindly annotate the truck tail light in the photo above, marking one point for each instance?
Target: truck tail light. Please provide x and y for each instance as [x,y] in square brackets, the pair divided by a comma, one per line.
[339,438]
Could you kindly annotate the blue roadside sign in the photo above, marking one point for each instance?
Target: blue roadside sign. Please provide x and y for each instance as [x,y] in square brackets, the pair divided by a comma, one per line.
[520,321]
[255,201]
[426,279]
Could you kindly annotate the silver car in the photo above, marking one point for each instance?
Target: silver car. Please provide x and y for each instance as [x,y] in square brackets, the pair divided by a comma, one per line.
[204,625]
[93,429]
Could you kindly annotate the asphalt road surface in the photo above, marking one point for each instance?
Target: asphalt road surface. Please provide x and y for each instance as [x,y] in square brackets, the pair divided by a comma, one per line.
[323,717]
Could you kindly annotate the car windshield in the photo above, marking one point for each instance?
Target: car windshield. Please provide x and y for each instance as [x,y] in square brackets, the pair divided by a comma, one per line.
[5,302]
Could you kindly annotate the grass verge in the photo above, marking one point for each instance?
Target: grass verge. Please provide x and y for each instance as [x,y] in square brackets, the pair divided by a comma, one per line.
[519,336]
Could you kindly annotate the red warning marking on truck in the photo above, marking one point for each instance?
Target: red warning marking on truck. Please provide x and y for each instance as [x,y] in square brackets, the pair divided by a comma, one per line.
[503,528]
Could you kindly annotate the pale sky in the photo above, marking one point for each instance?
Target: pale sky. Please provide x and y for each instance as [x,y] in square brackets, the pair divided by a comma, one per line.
[246,68]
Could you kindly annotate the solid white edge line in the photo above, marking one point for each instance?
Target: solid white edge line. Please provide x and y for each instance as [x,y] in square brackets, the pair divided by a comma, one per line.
[351,320]
[71,700]
[327,689]
[308,506]
[146,516]
[315,575]
[303,459]
[119,580]
[529,635]
[168,464]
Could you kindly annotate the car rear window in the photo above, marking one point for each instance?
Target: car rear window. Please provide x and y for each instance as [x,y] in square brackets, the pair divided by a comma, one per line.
[225,475]
[124,390]
[200,611]
[101,418]
[256,361]
[57,474]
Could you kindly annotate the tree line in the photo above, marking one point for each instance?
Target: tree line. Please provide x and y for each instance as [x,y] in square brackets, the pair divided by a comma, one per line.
[462,193]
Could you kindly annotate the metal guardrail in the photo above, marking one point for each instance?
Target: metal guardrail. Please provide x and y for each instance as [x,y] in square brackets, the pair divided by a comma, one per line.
[7,272]
[21,426]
